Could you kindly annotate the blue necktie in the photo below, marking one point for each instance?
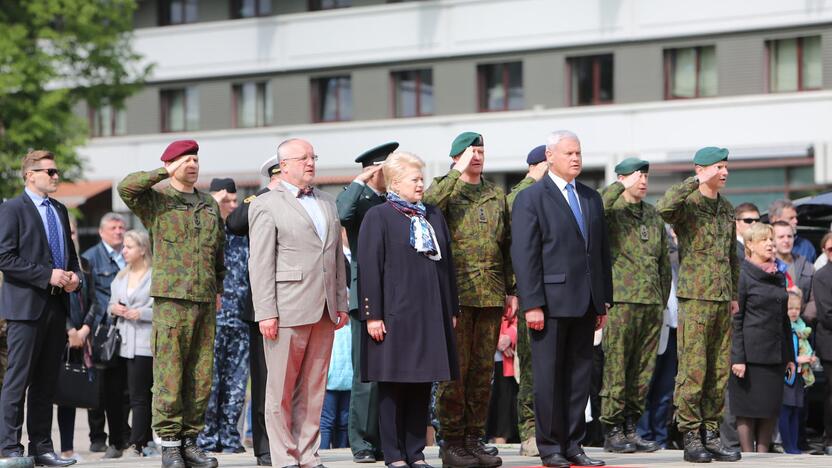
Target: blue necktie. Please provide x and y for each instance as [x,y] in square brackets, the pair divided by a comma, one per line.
[52,234]
[576,209]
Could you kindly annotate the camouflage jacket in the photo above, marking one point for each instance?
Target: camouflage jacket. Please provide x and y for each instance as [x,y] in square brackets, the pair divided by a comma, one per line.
[522,185]
[478,219]
[708,265]
[187,242]
[638,247]
[235,290]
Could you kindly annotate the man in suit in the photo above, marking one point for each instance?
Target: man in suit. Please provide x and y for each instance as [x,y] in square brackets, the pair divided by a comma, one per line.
[365,192]
[562,263]
[745,215]
[40,266]
[297,273]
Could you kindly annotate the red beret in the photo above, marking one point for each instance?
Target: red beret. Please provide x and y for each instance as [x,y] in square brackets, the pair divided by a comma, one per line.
[179,148]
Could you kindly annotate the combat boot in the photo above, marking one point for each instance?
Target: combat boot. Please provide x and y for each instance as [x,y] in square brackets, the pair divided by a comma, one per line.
[528,448]
[475,447]
[635,439]
[195,457]
[454,455]
[616,441]
[172,456]
[694,451]
[719,452]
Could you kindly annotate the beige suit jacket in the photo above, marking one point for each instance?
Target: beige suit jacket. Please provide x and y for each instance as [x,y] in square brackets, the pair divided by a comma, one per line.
[293,274]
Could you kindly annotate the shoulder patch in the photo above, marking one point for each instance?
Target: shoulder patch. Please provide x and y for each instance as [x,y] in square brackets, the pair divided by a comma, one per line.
[249,198]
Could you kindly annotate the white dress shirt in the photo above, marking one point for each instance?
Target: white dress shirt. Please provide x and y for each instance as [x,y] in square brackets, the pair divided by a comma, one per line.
[313,209]
[562,187]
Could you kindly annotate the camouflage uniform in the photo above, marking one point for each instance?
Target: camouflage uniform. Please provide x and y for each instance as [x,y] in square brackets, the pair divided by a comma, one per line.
[641,285]
[187,241]
[231,349]
[708,276]
[478,219]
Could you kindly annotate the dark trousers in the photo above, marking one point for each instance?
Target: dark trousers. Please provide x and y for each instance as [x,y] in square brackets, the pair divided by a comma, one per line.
[562,365]
[335,419]
[114,409]
[35,349]
[654,422]
[363,423]
[257,365]
[788,425]
[139,383]
[403,420]
[502,409]
[66,427]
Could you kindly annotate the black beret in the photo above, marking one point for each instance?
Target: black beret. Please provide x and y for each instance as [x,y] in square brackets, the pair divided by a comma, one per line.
[223,184]
[536,155]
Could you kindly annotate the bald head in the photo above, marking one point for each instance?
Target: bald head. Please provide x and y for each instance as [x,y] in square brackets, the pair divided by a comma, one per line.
[297,162]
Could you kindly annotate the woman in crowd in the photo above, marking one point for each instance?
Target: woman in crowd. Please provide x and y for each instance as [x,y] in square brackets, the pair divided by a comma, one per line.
[130,301]
[408,299]
[761,349]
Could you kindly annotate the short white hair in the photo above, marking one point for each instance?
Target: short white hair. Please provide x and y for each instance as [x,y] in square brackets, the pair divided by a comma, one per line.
[281,148]
[111,217]
[397,163]
[555,137]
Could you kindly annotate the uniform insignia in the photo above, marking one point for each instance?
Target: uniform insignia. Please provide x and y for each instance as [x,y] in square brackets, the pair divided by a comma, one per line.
[249,198]
[644,232]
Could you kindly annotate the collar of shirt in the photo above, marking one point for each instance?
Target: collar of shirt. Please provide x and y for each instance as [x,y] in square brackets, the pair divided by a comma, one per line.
[292,188]
[36,199]
[116,256]
[562,187]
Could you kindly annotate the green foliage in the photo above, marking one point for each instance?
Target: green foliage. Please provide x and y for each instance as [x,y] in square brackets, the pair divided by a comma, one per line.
[53,54]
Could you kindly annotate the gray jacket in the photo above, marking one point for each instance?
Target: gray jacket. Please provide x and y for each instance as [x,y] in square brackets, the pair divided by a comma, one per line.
[135,334]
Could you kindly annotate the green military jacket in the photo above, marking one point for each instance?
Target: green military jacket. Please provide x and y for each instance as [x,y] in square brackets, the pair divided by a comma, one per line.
[352,205]
[708,265]
[478,219]
[187,242]
[522,185]
[638,247]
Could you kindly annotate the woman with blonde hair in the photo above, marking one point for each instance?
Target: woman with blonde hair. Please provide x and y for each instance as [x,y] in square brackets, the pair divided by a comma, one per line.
[131,303]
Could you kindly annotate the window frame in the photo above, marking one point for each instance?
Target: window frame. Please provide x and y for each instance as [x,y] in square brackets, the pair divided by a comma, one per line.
[482,104]
[236,7]
[596,79]
[770,62]
[165,16]
[315,5]
[236,89]
[95,130]
[394,80]
[164,109]
[316,98]
[669,59]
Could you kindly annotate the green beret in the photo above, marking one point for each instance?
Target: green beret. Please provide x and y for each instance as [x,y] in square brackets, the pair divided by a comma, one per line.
[464,140]
[710,155]
[630,165]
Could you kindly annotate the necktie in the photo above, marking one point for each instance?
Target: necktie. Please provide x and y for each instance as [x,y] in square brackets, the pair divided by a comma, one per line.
[305,192]
[52,235]
[576,209]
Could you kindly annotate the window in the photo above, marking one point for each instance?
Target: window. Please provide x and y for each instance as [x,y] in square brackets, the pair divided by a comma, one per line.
[690,72]
[250,8]
[106,121]
[332,99]
[590,80]
[412,93]
[794,64]
[500,86]
[177,12]
[252,105]
[315,5]
[180,109]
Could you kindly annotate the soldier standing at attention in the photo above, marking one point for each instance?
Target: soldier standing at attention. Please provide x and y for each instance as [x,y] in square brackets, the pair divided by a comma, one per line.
[365,192]
[188,241]
[538,166]
[707,290]
[477,214]
[641,280]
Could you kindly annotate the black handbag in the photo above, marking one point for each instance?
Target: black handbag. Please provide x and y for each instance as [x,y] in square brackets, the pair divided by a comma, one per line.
[106,343]
[78,386]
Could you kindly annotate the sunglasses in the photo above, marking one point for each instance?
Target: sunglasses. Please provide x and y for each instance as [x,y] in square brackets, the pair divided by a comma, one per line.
[749,220]
[49,172]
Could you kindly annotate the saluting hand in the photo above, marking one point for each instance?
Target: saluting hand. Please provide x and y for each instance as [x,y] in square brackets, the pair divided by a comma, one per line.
[707,173]
[268,328]
[376,329]
[539,170]
[631,179]
[171,167]
[464,160]
[368,173]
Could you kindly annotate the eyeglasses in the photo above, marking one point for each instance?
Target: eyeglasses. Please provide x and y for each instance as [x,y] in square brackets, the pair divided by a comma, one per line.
[749,220]
[303,158]
[50,172]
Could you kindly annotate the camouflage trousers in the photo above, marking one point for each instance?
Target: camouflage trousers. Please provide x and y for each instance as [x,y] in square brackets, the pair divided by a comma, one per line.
[525,393]
[631,341]
[462,405]
[704,340]
[183,352]
[228,390]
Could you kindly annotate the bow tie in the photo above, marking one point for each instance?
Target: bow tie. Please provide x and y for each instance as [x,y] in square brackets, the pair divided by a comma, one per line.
[305,192]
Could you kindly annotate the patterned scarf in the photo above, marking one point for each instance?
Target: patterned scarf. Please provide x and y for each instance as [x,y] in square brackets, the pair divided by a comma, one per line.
[802,331]
[422,236]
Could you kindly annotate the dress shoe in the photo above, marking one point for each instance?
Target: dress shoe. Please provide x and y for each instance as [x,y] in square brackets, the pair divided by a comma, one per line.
[172,457]
[264,460]
[694,450]
[475,447]
[113,452]
[616,442]
[582,459]
[632,436]
[194,456]
[420,464]
[719,452]
[97,447]
[17,460]
[528,448]
[555,460]
[364,456]
[52,459]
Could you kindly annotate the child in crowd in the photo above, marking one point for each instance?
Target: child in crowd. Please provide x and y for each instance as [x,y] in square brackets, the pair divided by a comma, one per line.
[794,391]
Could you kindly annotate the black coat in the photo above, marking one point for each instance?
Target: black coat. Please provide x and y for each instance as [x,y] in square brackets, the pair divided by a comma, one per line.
[414,295]
[822,289]
[762,331]
[237,224]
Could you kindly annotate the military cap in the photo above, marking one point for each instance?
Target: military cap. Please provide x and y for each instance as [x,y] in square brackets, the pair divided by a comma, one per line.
[179,148]
[270,167]
[464,140]
[630,165]
[223,184]
[536,155]
[710,155]
[377,154]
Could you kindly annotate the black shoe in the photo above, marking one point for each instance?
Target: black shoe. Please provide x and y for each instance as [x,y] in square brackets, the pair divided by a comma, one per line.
[420,464]
[713,444]
[97,447]
[194,457]
[555,460]
[52,459]
[113,452]
[172,457]
[491,450]
[694,450]
[475,447]
[264,460]
[632,436]
[364,456]
[616,442]
[17,460]
[455,455]
[582,459]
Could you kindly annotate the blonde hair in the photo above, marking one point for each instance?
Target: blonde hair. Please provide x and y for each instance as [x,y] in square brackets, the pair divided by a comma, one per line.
[399,161]
[142,241]
[757,231]
[796,294]
[32,158]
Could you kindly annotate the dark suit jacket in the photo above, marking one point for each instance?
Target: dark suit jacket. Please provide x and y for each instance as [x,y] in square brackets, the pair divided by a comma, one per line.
[26,261]
[237,223]
[105,270]
[822,289]
[555,268]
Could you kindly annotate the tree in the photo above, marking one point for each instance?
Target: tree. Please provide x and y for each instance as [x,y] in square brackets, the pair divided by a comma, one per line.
[53,54]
